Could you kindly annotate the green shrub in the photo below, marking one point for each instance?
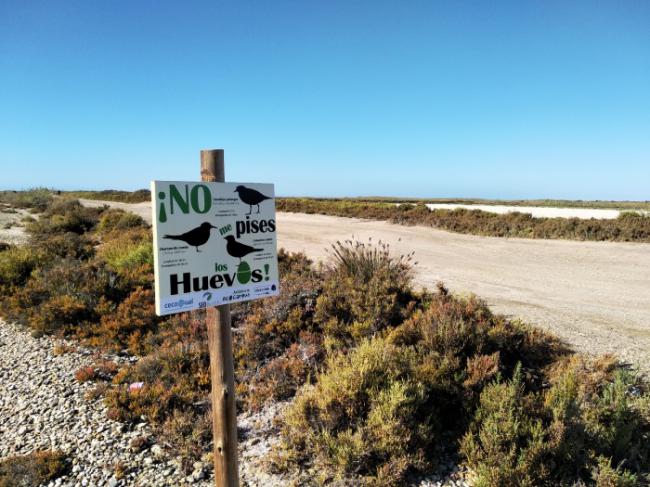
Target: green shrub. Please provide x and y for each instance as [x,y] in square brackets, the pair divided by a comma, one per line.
[506,446]
[369,415]
[415,384]
[592,417]
[128,250]
[64,215]
[116,219]
[16,264]
[365,291]
[608,476]
[58,245]
[64,298]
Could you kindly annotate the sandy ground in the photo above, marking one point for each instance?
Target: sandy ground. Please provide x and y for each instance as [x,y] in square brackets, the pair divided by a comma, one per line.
[596,295]
[536,211]
[142,209]
[12,229]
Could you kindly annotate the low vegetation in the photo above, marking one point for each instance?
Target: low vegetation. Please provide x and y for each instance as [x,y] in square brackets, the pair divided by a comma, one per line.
[137,196]
[384,380]
[628,227]
[600,204]
[36,468]
[34,199]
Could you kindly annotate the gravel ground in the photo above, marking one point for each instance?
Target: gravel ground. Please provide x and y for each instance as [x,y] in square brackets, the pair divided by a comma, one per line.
[42,406]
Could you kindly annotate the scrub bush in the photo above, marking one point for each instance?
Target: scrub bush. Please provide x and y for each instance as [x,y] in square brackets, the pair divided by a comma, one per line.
[116,219]
[36,468]
[174,397]
[16,265]
[128,250]
[590,419]
[385,407]
[136,196]
[64,215]
[36,199]
[61,298]
[365,290]
[277,344]
[129,323]
[369,415]
[69,244]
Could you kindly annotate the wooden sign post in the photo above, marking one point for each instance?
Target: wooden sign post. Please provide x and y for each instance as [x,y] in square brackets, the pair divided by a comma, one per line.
[215,244]
[222,371]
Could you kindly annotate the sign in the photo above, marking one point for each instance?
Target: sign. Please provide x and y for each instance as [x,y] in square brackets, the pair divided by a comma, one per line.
[214,244]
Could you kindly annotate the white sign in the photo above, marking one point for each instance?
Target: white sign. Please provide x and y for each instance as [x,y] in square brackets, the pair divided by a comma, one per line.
[214,243]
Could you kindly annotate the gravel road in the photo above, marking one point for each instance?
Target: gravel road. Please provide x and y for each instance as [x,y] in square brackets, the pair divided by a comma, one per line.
[595,295]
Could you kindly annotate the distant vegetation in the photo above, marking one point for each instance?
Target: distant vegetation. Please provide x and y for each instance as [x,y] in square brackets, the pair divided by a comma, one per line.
[384,381]
[137,196]
[34,199]
[599,204]
[628,227]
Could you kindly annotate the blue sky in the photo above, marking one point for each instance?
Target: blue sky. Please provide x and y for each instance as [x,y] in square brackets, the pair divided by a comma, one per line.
[418,98]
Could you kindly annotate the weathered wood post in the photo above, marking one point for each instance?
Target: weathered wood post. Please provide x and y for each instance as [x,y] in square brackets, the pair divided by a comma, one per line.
[222,371]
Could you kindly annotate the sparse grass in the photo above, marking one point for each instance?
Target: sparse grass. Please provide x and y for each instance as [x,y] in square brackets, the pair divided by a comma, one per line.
[628,227]
[33,469]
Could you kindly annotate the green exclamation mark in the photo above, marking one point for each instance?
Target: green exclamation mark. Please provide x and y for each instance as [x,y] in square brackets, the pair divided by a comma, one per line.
[266,270]
[162,213]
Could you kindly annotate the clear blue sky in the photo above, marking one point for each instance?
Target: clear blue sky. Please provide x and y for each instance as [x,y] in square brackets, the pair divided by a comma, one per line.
[419,98]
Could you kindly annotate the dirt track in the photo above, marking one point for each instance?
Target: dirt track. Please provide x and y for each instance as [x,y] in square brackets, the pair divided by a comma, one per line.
[596,295]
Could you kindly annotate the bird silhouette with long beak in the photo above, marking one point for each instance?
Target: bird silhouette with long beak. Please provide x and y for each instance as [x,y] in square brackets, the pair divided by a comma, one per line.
[251,197]
[238,249]
[195,237]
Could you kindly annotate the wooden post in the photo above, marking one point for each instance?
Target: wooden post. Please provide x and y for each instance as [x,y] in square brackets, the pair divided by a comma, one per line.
[222,371]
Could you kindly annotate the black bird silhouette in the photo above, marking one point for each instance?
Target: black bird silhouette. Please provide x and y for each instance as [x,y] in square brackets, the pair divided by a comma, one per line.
[251,197]
[195,237]
[238,249]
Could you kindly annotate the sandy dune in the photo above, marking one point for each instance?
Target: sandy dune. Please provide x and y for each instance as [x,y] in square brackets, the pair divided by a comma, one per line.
[596,295]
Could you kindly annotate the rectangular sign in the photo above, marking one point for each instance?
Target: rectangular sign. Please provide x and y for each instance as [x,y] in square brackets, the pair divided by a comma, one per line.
[214,243]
